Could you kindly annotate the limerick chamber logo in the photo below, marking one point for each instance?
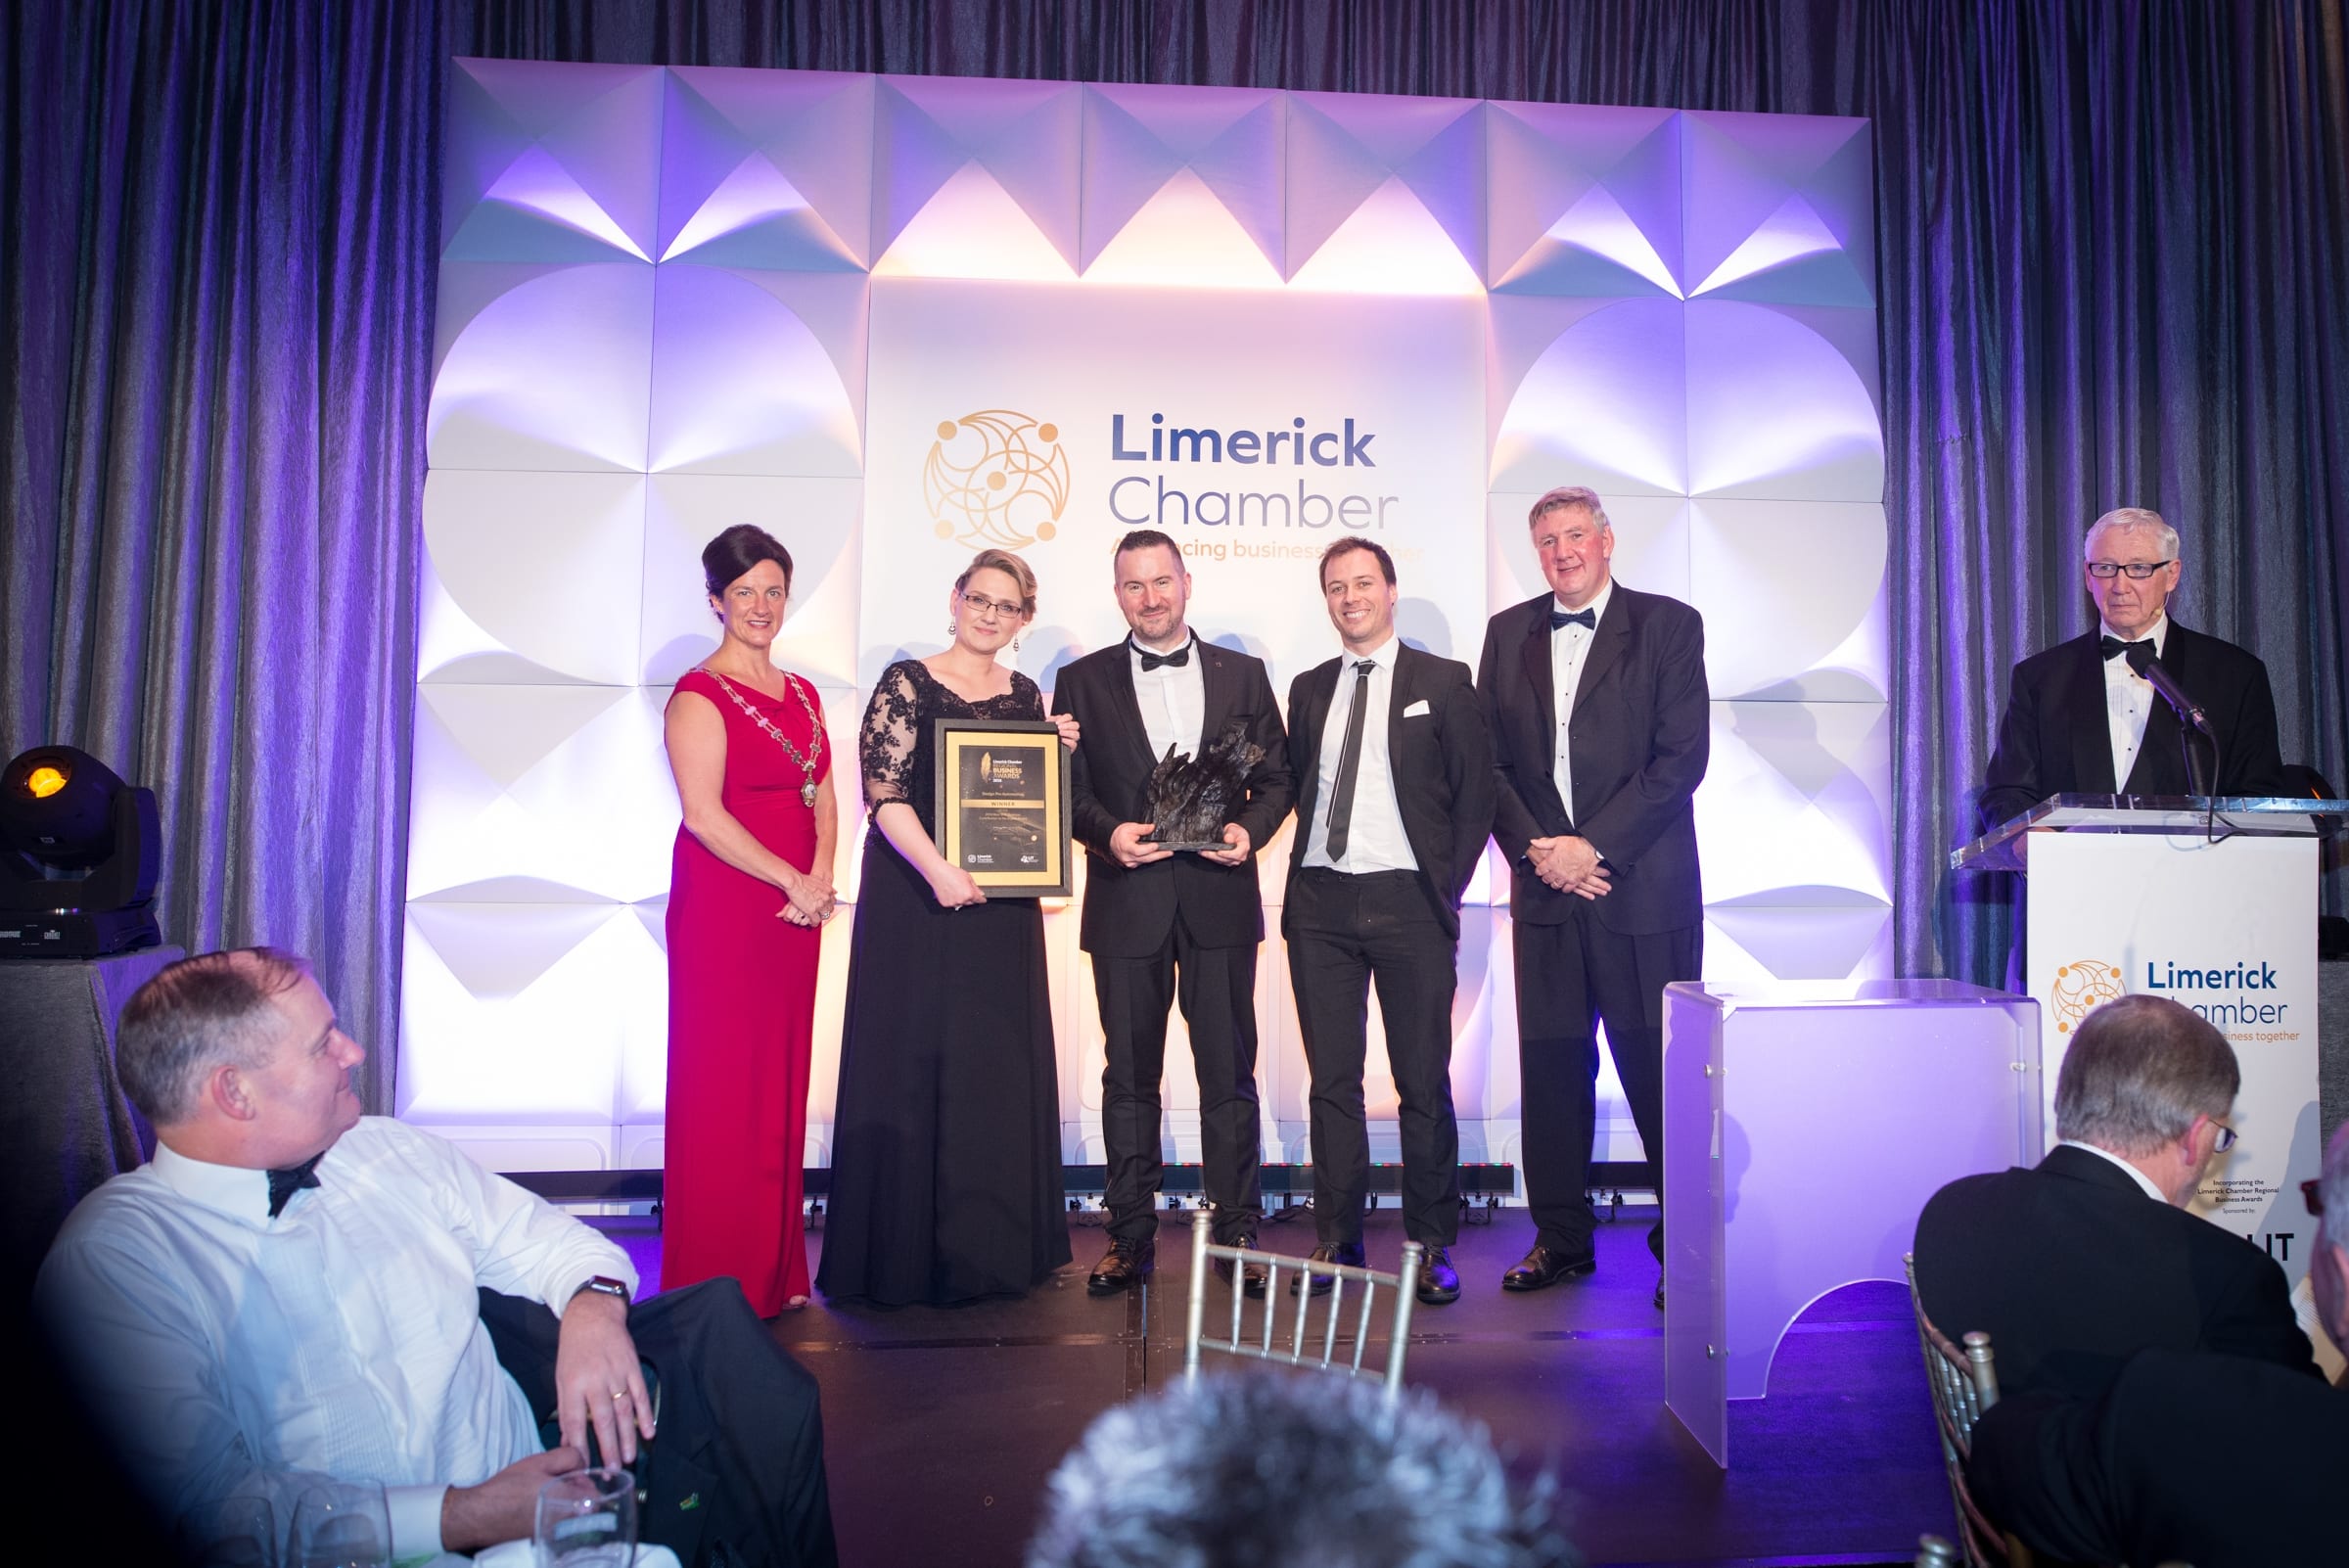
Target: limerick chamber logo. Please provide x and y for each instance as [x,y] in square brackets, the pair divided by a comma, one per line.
[995,478]
[2080,987]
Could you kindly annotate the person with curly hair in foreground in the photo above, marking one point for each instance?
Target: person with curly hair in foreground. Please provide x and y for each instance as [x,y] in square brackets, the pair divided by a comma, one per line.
[1268,1469]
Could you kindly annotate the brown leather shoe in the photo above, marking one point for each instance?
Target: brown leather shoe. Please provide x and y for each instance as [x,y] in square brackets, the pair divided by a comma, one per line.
[1545,1265]
[1129,1262]
[1255,1277]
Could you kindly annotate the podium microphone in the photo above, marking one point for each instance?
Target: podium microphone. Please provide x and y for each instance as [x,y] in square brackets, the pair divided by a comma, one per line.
[2141,660]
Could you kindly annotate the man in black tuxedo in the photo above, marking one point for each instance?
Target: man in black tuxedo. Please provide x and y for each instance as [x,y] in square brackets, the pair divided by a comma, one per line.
[2082,720]
[2191,1457]
[1394,800]
[1164,926]
[2077,1264]
[1600,719]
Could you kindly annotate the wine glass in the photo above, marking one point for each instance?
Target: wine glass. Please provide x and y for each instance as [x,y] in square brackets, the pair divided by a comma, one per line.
[341,1524]
[230,1533]
[588,1519]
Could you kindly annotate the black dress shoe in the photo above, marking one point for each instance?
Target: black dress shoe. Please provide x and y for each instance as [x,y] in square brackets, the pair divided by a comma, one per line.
[1255,1277]
[1349,1253]
[1439,1281]
[1130,1260]
[1545,1265]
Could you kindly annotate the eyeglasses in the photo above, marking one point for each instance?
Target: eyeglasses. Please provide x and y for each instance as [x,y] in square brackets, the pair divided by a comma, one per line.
[2138,571]
[980,605]
[2226,1137]
[2312,1194]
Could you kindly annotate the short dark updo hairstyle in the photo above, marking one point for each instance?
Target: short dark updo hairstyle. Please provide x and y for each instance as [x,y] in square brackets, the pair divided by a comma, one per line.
[737,550]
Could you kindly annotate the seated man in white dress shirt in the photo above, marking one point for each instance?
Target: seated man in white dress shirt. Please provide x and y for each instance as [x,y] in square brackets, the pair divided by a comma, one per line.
[289,1290]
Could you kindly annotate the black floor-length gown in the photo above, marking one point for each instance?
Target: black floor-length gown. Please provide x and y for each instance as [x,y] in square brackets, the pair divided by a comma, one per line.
[946,1150]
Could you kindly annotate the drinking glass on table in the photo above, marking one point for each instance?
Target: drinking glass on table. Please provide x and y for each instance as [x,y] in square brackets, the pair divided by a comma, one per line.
[588,1519]
[232,1533]
[341,1524]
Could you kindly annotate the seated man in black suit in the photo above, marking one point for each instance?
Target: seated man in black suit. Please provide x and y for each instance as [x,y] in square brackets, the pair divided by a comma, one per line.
[290,1292]
[2082,720]
[2190,1457]
[2076,1265]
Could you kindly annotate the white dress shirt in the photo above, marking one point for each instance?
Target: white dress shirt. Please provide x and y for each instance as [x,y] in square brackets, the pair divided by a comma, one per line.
[2134,1175]
[2129,699]
[1569,648]
[231,1354]
[1374,835]
[1173,699]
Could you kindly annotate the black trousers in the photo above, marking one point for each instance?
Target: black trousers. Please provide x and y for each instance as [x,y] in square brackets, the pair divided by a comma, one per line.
[1571,976]
[735,1473]
[1347,933]
[1217,990]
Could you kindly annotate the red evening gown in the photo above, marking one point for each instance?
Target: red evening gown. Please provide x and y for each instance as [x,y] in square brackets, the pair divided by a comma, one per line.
[741,1019]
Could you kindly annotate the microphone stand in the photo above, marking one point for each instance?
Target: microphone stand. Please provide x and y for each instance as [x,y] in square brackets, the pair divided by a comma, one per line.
[2191,719]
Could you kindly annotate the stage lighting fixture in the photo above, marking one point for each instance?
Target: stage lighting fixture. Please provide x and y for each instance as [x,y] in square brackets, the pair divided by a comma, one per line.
[79,851]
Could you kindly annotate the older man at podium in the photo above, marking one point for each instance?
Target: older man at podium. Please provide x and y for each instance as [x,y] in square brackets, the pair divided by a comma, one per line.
[2083,716]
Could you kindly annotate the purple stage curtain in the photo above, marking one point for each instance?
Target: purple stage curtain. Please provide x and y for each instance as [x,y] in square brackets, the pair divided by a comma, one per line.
[2113,268]
[218,292]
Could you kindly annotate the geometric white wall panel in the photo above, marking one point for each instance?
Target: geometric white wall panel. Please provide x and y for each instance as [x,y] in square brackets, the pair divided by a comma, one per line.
[1775,410]
[549,784]
[531,577]
[1793,598]
[743,383]
[1795,801]
[1605,405]
[657,319]
[542,368]
[818,520]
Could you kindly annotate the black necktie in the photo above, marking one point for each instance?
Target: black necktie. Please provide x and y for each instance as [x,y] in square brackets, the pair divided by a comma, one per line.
[2114,647]
[1587,619]
[284,1184]
[1350,756]
[1150,661]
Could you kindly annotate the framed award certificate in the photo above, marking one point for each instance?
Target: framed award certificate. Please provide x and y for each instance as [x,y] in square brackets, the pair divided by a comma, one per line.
[1002,793]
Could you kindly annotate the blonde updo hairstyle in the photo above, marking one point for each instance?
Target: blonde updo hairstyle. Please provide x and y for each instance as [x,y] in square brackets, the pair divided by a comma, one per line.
[1012,567]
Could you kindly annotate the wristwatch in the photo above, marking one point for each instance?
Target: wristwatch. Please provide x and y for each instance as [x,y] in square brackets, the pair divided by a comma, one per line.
[605,1285]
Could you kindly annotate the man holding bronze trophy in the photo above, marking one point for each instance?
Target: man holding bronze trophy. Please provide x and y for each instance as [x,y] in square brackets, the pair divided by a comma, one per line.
[1181,775]
[1394,800]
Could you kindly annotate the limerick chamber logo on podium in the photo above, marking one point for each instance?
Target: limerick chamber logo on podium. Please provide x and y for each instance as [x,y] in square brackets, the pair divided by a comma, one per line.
[995,478]
[2081,987]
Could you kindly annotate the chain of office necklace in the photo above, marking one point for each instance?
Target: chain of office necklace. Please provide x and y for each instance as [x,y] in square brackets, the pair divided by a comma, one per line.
[815,749]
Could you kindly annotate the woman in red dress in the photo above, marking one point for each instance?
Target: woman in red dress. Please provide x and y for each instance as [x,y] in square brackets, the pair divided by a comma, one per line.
[750,889]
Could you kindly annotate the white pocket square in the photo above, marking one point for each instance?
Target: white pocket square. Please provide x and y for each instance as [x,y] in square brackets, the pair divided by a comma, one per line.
[1417,710]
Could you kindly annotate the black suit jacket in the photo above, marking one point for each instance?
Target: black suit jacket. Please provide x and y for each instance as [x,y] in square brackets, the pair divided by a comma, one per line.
[2054,738]
[1638,737]
[2071,1269]
[1128,913]
[1441,759]
[2210,1459]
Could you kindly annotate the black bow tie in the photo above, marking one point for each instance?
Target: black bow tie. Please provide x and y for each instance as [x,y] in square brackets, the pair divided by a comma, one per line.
[2113,648]
[1150,661]
[1587,619]
[284,1184]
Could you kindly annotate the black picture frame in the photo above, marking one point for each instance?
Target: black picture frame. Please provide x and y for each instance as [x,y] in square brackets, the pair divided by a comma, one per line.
[1001,787]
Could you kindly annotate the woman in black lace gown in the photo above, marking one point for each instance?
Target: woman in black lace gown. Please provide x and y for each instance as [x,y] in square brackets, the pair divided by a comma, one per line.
[945,1149]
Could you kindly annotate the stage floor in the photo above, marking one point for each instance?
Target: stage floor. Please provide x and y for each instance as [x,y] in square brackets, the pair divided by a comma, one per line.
[941,1424]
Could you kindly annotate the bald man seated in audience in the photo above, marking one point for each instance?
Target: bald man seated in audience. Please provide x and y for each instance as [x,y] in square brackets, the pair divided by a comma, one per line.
[2077,1264]
[291,1291]
[2216,1460]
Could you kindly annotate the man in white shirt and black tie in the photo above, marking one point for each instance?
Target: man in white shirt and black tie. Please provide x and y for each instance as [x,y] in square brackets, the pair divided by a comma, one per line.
[290,1292]
[2080,718]
[1394,799]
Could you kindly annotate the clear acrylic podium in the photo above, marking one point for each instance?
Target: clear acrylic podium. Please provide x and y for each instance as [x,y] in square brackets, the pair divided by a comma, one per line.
[1805,1126]
[2211,903]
